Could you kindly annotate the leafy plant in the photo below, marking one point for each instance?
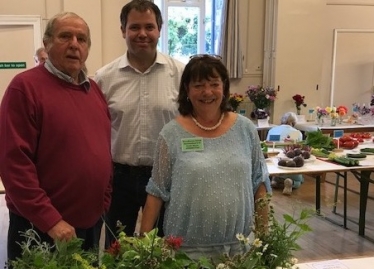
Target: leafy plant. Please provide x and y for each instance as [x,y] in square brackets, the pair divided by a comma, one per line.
[62,255]
[316,139]
[272,246]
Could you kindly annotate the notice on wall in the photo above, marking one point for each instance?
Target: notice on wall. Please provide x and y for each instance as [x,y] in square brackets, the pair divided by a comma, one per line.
[12,65]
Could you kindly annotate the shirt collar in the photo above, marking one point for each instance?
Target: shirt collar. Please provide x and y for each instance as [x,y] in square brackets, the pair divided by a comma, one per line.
[124,62]
[82,77]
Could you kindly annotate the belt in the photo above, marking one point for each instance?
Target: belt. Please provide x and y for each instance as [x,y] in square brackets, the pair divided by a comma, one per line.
[126,167]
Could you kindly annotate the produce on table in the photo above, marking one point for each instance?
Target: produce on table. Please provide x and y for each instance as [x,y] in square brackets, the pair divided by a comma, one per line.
[360,135]
[356,155]
[317,139]
[347,142]
[367,150]
[295,150]
[343,160]
[321,153]
[297,161]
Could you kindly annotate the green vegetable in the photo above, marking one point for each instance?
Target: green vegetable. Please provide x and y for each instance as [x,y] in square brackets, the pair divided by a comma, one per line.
[322,153]
[264,147]
[368,150]
[354,155]
[346,161]
[317,139]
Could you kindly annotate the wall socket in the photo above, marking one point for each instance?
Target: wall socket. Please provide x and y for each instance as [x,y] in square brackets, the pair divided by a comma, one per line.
[259,68]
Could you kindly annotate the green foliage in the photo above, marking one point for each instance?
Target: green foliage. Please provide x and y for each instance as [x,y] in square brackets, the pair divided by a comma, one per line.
[273,246]
[62,255]
[317,139]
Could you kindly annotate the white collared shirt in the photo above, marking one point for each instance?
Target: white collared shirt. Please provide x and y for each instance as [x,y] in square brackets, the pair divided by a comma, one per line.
[140,104]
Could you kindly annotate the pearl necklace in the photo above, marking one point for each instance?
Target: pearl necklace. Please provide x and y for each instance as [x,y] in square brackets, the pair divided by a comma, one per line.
[208,128]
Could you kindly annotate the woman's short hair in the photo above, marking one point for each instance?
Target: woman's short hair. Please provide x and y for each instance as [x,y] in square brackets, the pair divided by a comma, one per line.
[199,68]
[289,118]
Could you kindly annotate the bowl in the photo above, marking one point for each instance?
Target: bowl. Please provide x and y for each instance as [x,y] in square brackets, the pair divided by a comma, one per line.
[272,153]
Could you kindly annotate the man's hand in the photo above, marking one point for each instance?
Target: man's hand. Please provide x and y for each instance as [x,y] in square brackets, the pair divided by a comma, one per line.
[62,231]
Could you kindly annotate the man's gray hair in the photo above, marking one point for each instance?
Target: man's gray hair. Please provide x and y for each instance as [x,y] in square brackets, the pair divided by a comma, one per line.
[49,29]
[289,118]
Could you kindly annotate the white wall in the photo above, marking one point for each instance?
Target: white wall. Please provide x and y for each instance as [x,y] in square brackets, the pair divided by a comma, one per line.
[103,19]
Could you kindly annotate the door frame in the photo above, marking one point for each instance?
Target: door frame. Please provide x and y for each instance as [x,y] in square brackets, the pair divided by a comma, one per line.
[33,20]
[333,61]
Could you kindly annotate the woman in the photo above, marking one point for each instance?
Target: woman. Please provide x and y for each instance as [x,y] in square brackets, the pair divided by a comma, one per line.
[287,132]
[209,168]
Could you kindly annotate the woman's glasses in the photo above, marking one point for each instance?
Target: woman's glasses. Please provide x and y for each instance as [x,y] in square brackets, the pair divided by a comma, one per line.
[212,56]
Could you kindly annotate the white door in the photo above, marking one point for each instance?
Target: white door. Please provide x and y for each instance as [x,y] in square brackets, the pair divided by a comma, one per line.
[20,36]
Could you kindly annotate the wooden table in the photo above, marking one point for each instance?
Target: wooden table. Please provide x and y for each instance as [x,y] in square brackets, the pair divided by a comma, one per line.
[317,168]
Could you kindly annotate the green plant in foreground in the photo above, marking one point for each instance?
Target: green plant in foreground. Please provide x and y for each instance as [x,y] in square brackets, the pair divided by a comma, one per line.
[269,246]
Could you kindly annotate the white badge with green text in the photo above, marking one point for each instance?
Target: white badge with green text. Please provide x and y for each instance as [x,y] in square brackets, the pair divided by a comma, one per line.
[192,144]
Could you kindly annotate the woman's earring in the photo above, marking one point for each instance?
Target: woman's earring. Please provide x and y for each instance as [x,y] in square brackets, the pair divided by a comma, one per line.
[188,99]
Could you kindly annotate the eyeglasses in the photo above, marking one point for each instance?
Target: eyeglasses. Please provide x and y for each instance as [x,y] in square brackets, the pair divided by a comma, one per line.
[214,56]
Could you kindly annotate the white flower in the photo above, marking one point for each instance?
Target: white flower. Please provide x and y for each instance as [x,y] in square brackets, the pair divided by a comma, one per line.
[240,237]
[257,243]
[265,248]
[222,266]
[294,260]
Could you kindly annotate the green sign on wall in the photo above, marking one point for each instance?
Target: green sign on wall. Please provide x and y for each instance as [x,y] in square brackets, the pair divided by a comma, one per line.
[12,65]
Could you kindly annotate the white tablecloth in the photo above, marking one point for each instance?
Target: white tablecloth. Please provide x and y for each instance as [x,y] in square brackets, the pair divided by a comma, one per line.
[359,263]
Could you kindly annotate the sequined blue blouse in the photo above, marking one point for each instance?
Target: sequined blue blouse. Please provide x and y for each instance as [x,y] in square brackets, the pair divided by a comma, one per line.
[209,193]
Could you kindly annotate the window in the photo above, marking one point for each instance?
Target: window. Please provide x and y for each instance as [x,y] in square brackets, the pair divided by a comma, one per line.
[190,27]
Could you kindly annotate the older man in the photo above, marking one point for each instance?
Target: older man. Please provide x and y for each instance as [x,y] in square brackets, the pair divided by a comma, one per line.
[55,159]
[40,56]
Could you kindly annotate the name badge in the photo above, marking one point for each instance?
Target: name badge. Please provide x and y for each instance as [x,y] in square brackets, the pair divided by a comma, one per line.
[192,144]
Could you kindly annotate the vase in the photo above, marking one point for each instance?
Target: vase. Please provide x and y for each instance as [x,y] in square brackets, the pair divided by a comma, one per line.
[260,113]
[320,121]
[298,111]
[333,121]
[340,119]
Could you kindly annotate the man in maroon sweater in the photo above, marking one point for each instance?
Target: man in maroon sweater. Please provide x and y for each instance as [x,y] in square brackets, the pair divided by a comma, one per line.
[55,160]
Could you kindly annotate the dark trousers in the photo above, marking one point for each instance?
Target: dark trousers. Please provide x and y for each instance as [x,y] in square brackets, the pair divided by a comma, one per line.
[128,196]
[19,225]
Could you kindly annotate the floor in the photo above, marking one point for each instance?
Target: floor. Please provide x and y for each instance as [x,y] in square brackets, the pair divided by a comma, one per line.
[327,241]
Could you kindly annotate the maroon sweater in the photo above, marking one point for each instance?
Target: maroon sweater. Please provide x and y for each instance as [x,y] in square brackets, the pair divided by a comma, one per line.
[55,160]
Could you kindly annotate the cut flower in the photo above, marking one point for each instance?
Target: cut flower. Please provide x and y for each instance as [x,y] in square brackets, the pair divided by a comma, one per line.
[260,96]
[235,100]
[299,101]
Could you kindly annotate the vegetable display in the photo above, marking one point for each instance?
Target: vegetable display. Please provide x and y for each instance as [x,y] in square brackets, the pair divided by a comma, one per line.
[317,139]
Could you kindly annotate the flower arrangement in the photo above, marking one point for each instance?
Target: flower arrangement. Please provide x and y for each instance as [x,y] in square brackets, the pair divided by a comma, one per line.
[235,100]
[342,110]
[299,101]
[272,246]
[360,110]
[262,97]
[321,112]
